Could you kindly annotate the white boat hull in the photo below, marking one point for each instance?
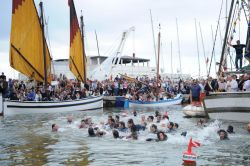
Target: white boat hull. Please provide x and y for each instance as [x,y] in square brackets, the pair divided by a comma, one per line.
[194,111]
[155,104]
[1,104]
[16,107]
[228,106]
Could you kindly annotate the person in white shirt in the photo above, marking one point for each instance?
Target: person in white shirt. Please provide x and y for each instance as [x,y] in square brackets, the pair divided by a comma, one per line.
[202,85]
[222,84]
[38,96]
[232,85]
[246,86]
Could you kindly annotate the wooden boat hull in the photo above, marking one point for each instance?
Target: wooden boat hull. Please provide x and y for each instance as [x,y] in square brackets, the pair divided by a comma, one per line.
[155,104]
[228,106]
[16,107]
[194,111]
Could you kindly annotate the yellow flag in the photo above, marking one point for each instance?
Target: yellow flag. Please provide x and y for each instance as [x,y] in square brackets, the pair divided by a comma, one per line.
[76,54]
[26,41]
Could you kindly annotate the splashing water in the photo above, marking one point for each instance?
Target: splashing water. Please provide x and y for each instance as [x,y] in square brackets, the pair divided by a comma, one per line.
[25,139]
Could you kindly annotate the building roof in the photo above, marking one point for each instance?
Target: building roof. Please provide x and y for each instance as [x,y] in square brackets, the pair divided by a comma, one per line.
[94,57]
[126,59]
[60,60]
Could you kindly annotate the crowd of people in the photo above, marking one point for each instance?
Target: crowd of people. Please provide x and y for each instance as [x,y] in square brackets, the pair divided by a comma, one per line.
[155,127]
[223,84]
[141,88]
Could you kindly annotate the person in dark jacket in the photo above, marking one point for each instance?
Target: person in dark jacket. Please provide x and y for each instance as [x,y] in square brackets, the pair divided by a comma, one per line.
[239,53]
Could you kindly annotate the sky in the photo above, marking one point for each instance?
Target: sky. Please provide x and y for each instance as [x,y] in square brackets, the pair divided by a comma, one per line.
[109,18]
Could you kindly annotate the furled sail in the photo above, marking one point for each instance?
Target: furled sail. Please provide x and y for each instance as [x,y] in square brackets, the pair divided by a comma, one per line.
[26,41]
[77,58]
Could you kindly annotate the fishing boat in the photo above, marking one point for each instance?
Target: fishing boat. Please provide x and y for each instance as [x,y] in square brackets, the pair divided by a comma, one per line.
[29,54]
[230,105]
[155,104]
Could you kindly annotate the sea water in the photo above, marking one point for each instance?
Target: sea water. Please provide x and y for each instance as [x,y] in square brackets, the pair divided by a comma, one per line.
[28,140]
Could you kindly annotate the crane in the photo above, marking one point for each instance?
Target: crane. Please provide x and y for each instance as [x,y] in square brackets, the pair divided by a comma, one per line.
[104,70]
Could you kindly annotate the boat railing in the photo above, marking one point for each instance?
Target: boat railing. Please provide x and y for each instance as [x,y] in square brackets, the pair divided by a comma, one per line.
[237,92]
[90,97]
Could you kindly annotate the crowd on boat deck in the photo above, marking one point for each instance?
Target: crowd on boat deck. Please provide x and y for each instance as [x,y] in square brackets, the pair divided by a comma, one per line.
[141,88]
[129,125]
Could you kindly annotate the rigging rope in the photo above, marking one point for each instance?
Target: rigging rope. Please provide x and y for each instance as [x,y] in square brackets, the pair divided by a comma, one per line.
[215,39]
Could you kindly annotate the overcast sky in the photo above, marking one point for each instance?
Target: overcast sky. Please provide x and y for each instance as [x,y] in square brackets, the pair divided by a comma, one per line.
[111,17]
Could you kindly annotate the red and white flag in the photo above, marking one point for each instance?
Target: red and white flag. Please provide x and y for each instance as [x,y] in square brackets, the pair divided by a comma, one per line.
[195,144]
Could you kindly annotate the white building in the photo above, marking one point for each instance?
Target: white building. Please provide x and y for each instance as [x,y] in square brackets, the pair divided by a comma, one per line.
[131,66]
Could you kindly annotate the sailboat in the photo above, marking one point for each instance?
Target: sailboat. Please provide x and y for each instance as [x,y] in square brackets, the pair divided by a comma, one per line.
[29,54]
[161,103]
[229,105]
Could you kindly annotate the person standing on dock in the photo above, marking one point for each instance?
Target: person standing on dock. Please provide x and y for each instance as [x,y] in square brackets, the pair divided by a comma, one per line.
[239,53]
[195,93]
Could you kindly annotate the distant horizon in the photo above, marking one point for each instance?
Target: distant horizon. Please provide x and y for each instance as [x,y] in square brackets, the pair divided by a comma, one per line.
[117,16]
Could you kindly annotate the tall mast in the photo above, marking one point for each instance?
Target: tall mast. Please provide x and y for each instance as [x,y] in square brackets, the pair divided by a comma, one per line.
[44,49]
[158,59]
[97,43]
[213,55]
[83,47]
[225,37]
[171,58]
[152,26]
[197,44]
[214,41]
[203,48]
[178,42]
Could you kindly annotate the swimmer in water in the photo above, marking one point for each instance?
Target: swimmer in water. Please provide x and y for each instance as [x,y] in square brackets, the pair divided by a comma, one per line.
[54,127]
[153,133]
[91,132]
[223,134]
[153,129]
[248,127]
[98,133]
[184,134]
[158,119]
[83,124]
[150,119]
[116,134]
[69,119]
[143,121]
[122,127]
[165,115]
[157,113]
[230,129]
[161,136]
[117,119]
[170,127]
[134,113]
[176,126]
[200,122]
[133,130]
